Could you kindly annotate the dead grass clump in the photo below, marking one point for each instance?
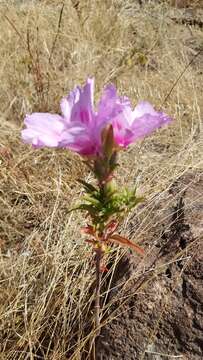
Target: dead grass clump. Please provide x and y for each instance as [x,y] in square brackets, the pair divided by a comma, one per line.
[46,273]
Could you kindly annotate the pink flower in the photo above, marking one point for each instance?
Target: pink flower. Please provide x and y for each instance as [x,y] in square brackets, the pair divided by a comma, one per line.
[79,127]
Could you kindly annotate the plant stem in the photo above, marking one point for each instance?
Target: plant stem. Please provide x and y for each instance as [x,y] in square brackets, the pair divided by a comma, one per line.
[97,290]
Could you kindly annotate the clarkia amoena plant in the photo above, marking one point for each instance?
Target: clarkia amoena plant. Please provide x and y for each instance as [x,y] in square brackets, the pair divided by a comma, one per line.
[97,136]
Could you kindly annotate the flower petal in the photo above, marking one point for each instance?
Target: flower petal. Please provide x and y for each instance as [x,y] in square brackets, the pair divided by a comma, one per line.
[78,139]
[123,133]
[43,129]
[131,125]
[111,104]
[143,108]
[83,109]
[147,120]
[80,128]
[68,102]
[77,107]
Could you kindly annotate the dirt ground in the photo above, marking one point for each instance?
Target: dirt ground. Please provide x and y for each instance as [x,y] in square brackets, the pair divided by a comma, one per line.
[162,314]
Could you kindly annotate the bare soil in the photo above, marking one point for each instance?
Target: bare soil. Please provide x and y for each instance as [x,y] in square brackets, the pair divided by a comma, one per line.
[158,313]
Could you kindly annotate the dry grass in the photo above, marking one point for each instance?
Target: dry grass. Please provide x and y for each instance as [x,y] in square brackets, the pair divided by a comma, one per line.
[46,270]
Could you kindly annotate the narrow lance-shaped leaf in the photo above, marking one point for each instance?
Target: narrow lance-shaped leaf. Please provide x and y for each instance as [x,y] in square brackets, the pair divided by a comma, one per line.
[136,201]
[126,242]
[88,230]
[84,207]
[88,187]
[92,200]
[111,228]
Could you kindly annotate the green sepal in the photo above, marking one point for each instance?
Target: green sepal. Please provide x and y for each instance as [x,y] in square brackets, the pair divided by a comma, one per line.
[113,161]
[99,168]
[108,143]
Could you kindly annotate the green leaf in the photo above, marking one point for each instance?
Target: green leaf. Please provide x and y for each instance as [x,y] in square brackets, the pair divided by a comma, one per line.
[89,208]
[92,200]
[74,209]
[88,187]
